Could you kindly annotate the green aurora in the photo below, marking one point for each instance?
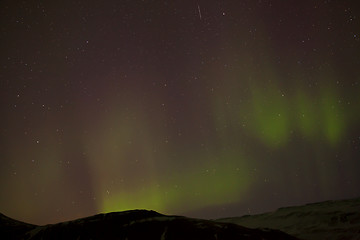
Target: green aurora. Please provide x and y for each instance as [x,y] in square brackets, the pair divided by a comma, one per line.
[131,104]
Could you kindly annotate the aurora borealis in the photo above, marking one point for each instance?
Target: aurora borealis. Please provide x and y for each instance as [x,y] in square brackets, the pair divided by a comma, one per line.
[116,105]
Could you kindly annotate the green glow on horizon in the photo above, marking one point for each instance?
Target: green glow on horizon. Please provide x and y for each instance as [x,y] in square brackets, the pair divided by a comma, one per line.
[206,185]
[270,117]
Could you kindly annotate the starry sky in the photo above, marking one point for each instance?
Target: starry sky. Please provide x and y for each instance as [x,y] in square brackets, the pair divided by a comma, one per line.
[208,108]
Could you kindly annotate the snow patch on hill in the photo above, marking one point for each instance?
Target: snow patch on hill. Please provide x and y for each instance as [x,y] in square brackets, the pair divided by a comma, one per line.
[332,220]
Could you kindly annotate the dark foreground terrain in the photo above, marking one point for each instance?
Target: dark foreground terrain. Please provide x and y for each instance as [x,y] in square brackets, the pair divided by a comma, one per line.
[330,220]
[136,224]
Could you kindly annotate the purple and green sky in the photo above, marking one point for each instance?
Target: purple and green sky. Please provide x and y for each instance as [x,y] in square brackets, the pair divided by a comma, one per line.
[206,108]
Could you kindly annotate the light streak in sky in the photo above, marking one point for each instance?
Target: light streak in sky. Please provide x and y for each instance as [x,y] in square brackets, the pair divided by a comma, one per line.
[199,11]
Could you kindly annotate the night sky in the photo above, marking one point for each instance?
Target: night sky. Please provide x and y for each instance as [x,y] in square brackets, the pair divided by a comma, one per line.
[206,108]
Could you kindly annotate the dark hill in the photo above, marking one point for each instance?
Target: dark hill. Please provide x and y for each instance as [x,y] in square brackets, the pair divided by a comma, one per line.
[136,224]
[13,229]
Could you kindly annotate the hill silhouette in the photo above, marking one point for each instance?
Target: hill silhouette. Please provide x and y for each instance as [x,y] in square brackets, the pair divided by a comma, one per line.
[136,224]
[331,220]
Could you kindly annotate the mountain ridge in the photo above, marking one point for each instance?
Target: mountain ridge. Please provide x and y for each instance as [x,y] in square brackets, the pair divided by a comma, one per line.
[140,224]
[332,220]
